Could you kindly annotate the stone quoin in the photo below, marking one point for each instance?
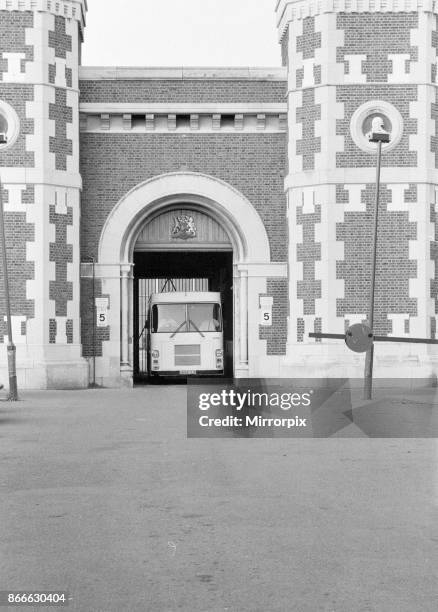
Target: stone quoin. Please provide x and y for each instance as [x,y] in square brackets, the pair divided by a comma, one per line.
[259,181]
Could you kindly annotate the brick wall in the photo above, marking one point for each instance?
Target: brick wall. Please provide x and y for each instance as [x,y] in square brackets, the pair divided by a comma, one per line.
[307,115]
[18,232]
[285,49]
[61,215]
[87,315]
[62,115]
[376,36]
[309,253]
[394,268]
[434,135]
[433,68]
[434,258]
[183,91]
[13,40]
[276,335]
[13,36]
[17,96]
[112,164]
[61,253]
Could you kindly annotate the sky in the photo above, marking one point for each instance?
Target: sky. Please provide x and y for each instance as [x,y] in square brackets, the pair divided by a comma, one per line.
[181,33]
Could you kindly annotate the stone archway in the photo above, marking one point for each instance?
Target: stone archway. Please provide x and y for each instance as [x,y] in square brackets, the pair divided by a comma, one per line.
[232,211]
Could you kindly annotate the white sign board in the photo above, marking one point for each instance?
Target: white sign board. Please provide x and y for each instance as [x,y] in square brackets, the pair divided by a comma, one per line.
[102,318]
[266,311]
[102,304]
[266,317]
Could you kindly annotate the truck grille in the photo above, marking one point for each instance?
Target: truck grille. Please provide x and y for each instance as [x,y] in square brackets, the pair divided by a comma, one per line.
[188,355]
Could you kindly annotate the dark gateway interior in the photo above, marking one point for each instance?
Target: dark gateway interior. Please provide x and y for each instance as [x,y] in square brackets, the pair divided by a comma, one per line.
[183,271]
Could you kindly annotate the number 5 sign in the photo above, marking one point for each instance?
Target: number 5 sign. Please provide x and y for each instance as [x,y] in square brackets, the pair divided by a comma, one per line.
[266,311]
[102,312]
[265,317]
[102,319]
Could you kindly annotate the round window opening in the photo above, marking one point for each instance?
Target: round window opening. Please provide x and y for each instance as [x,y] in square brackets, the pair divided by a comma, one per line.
[376,122]
[376,116]
[9,126]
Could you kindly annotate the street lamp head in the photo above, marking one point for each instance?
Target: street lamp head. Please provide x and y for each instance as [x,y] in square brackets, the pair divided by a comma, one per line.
[378,132]
[379,137]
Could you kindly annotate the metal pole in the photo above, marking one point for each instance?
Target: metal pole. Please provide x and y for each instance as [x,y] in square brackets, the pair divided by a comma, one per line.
[368,381]
[94,323]
[13,391]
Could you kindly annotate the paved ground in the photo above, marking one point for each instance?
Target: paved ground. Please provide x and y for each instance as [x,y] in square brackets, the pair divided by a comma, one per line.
[102,494]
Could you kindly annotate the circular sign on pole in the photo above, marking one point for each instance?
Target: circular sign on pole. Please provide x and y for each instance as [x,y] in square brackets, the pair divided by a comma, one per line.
[359,338]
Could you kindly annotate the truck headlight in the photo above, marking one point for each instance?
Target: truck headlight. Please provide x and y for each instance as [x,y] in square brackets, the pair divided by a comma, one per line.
[155,354]
[219,354]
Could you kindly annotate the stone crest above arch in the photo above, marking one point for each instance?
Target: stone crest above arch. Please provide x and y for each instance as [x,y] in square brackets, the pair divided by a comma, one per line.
[222,201]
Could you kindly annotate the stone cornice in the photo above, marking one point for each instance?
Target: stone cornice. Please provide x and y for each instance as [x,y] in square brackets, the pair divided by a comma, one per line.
[425,176]
[124,73]
[96,108]
[293,10]
[72,9]
[183,118]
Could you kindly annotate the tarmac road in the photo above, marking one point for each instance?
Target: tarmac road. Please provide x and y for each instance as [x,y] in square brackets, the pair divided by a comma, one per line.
[102,495]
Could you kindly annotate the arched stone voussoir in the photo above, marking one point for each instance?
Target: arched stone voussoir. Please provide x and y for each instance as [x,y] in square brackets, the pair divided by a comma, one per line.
[216,197]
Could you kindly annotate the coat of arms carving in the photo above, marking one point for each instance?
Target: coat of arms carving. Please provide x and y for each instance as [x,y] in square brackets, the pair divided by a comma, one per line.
[184,227]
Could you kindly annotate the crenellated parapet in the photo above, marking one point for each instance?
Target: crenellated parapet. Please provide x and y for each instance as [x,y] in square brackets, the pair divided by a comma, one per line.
[68,9]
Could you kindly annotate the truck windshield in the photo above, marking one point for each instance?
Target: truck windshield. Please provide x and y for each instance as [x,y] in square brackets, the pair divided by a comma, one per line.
[204,317]
[180,318]
[169,318]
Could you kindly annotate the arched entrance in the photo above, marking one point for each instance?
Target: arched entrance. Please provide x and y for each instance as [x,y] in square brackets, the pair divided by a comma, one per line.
[210,197]
[182,248]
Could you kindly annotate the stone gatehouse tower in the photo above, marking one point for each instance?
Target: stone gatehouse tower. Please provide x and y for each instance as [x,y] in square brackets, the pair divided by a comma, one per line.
[272,166]
[39,170]
[348,62]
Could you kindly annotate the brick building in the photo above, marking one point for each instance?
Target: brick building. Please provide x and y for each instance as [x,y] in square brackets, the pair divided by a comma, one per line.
[273,165]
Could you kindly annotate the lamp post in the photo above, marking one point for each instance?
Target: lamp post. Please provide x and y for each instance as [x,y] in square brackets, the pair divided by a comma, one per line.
[93,263]
[379,138]
[12,369]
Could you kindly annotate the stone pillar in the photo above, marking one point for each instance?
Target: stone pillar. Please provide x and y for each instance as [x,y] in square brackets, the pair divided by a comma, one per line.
[240,275]
[243,292]
[127,317]
[39,60]
[347,64]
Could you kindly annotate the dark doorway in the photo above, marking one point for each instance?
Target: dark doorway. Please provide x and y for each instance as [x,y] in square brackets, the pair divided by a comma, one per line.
[188,271]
